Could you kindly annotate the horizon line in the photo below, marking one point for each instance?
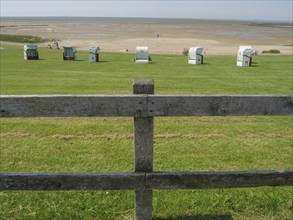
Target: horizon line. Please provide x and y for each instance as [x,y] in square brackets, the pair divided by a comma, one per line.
[166,18]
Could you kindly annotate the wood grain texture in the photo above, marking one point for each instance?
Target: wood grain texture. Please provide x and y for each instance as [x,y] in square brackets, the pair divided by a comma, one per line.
[144,182]
[212,180]
[72,181]
[143,105]
[143,151]
[219,105]
[143,86]
[72,105]
[143,141]
[143,131]
[143,204]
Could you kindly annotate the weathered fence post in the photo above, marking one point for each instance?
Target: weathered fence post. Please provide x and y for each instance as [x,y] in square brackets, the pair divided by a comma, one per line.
[143,144]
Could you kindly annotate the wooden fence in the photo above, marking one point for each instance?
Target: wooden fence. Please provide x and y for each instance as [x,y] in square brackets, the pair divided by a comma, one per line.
[143,106]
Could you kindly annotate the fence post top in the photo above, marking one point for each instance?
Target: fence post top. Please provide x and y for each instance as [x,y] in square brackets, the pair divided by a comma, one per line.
[143,86]
[143,82]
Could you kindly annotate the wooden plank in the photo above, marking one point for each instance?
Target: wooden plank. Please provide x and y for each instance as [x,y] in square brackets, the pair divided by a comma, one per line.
[143,145]
[143,131]
[143,86]
[143,204]
[143,183]
[72,105]
[143,105]
[179,105]
[143,142]
[212,180]
[72,181]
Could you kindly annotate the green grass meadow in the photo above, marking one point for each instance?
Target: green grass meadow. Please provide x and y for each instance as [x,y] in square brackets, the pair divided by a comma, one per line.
[97,144]
[115,73]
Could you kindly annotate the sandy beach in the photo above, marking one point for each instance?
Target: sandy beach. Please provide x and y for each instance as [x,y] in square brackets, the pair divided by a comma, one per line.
[160,35]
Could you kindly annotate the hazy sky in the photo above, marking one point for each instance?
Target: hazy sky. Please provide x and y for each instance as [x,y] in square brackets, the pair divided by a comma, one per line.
[277,10]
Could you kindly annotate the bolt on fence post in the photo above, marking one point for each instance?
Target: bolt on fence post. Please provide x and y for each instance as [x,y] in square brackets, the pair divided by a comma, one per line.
[143,144]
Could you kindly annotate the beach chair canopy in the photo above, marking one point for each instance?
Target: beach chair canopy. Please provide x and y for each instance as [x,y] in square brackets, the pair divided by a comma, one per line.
[94,54]
[142,53]
[244,51]
[244,56]
[244,47]
[30,50]
[193,51]
[30,47]
[69,51]
[248,52]
[94,50]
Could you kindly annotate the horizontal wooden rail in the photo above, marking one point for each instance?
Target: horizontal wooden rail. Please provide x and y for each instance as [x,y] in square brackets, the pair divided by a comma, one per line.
[72,105]
[216,180]
[71,181]
[232,105]
[140,180]
[143,105]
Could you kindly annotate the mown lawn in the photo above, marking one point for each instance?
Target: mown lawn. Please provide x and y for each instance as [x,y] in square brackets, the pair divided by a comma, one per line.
[114,75]
[180,144]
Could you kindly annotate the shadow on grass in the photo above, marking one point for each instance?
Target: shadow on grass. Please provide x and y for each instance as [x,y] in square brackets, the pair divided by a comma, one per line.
[101,61]
[203,64]
[254,64]
[34,60]
[198,217]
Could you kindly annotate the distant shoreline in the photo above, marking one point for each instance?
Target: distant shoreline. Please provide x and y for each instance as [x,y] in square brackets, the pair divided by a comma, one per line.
[161,35]
[258,22]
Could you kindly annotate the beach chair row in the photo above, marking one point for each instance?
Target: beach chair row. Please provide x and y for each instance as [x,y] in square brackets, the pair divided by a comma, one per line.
[195,54]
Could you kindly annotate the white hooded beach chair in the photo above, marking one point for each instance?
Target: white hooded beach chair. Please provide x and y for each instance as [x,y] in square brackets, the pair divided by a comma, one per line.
[244,56]
[142,55]
[195,55]
[94,54]
[31,52]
